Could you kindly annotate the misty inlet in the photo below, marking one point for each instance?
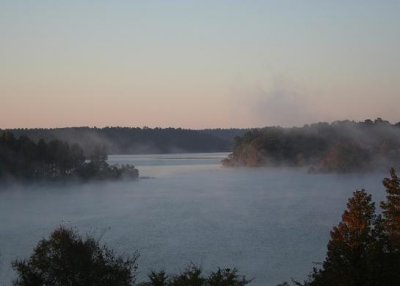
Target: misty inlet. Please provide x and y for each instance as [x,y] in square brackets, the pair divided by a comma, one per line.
[272,224]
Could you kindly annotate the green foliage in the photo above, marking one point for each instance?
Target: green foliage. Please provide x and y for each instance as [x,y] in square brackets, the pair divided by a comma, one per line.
[345,157]
[68,259]
[343,146]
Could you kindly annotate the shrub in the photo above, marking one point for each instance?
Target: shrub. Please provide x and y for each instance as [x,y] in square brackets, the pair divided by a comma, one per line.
[67,259]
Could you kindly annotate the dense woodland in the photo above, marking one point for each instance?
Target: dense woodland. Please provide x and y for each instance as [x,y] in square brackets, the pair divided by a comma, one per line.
[342,146]
[124,140]
[24,160]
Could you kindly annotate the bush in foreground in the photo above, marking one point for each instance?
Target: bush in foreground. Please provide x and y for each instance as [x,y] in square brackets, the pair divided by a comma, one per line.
[193,276]
[65,258]
[68,259]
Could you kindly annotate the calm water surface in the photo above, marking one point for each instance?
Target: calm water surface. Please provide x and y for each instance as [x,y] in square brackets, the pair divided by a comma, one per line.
[270,223]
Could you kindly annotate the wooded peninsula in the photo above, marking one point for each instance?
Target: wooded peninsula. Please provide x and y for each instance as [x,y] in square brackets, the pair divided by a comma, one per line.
[342,146]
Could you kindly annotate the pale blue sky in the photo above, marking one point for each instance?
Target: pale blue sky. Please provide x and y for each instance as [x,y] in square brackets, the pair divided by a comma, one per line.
[197,64]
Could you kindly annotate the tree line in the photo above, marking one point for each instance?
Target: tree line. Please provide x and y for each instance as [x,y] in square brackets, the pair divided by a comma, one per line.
[23,159]
[342,146]
[135,140]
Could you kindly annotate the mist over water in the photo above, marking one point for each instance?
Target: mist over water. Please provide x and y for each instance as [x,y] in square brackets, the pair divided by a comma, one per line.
[270,223]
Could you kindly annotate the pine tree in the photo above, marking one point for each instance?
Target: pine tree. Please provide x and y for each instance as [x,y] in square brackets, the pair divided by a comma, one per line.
[391,230]
[350,256]
[391,210]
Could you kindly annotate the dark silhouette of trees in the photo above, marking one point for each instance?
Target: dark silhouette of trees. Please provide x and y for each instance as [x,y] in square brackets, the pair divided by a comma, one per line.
[193,276]
[68,259]
[227,277]
[391,210]
[157,279]
[364,247]
[391,228]
[124,140]
[353,246]
[65,258]
[99,154]
[23,159]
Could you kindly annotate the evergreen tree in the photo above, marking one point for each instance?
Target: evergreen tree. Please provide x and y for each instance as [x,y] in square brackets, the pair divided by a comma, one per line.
[391,210]
[391,229]
[192,276]
[226,277]
[23,159]
[351,251]
[364,248]
[157,279]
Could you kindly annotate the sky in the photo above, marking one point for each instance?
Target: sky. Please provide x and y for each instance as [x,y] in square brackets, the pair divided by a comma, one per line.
[197,64]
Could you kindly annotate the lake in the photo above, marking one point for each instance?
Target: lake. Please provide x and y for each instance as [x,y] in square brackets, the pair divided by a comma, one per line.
[271,223]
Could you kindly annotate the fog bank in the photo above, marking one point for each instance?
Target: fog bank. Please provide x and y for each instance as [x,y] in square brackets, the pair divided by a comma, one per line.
[270,223]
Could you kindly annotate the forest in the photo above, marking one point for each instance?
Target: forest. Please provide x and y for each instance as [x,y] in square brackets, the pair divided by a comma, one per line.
[342,146]
[126,140]
[24,160]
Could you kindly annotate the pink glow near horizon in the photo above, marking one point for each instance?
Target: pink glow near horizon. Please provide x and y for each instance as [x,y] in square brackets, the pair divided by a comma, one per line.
[208,65]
